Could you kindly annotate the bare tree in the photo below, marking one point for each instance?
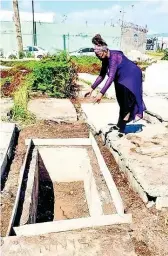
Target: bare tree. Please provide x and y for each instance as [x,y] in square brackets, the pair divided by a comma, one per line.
[17,25]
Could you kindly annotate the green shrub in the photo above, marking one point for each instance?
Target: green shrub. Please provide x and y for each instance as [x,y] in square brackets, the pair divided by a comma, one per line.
[55,76]
[12,56]
[165,55]
[21,55]
[87,64]
[29,55]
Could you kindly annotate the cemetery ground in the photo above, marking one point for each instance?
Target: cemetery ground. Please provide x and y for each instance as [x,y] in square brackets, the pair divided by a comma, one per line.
[46,117]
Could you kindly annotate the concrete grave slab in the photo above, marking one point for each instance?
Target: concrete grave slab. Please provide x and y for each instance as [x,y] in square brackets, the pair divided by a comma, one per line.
[95,242]
[144,159]
[100,115]
[156,78]
[158,107]
[7,136]
[59,110]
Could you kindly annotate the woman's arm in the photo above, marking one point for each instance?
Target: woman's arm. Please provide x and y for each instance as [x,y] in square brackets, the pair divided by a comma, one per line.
[116,59]
[102,75]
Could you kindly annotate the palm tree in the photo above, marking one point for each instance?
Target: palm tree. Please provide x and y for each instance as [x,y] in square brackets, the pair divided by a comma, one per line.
[17,25]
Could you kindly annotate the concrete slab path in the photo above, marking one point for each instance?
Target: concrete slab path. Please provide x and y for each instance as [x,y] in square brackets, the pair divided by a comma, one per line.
[100,242]
[158,107]
[59,110]
[100,115]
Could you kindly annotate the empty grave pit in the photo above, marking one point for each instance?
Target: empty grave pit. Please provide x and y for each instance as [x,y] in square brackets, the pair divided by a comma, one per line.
[65,185]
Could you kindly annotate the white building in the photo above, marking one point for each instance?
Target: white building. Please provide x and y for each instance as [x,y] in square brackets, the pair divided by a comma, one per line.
[48,17]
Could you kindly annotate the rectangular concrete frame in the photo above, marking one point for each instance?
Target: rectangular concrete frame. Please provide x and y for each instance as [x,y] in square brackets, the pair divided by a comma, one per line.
[22,170]
[103,167]
[65,225]
[60,142]
[96,221]
[29,210]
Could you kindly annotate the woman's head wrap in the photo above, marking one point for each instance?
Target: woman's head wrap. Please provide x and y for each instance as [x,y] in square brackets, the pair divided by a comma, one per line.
[99,49]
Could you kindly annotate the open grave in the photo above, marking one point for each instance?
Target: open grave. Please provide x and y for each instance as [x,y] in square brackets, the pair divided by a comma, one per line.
[65,185]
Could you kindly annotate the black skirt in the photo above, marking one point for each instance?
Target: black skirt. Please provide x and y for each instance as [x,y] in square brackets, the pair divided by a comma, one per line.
[126,100]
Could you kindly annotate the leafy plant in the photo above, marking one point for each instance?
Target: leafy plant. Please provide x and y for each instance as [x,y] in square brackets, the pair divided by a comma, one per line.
[21,55]
[29,55]
[165,55]
[55,76]
[12,56]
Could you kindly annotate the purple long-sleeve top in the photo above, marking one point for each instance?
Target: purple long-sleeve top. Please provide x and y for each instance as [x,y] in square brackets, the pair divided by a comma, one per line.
[109,66]
[122,71]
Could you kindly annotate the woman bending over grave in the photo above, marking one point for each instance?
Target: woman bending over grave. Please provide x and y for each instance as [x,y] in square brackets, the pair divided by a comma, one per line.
[127,78]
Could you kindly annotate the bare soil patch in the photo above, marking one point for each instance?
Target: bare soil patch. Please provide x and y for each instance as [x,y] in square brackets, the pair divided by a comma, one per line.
[70,201]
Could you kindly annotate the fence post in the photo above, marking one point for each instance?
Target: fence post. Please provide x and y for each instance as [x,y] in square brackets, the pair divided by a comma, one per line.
[64,42]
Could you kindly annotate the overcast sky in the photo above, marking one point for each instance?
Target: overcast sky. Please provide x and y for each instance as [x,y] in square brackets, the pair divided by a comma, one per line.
[154,13]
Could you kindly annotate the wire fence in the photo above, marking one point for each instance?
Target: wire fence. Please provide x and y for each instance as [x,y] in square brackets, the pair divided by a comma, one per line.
[52,37]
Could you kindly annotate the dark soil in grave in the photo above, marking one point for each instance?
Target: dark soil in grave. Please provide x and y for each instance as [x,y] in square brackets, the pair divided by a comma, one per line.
[70,200]
[59,201]
[38,130]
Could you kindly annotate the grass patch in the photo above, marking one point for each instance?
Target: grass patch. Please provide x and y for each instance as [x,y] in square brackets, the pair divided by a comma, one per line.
[21,97]
[155,54]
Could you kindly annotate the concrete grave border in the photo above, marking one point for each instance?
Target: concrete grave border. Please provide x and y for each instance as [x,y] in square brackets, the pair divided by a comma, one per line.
[93,221]
[74,224]
[8,150]
[21,175]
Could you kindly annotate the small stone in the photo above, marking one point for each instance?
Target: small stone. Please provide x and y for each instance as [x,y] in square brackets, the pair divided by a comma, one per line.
[71,192]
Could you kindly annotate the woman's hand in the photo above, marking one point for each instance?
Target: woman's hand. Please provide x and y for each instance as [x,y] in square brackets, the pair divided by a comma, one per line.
[98,98]
[88,94]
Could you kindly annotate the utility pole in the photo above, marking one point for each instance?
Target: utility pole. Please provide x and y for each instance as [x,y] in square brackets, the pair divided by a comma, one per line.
[34,37]
[122,26]
[122,18]
[17,26]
